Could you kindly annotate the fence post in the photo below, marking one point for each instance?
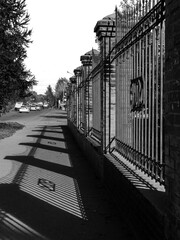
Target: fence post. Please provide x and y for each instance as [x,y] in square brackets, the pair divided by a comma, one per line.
[73,99]
[86,68]
[105,32]
[78,74]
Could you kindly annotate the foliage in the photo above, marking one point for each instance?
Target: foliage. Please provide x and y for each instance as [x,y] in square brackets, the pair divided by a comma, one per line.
[61,88]
[127,5]
[49,96]
[15,79]
[34,97]
[133,9]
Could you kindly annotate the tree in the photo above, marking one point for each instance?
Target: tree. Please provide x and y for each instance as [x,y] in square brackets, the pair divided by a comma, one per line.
[50,96]
[133,10]
[15,79]
[60,88]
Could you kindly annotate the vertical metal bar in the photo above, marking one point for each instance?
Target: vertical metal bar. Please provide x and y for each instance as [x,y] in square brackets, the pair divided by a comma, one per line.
[109,92]
[150,95]
[86,104]
[145,98]
[126,96]
[150,5]
[117,97]
[118,105]
[153,100]
[157,99]
[88,100]
[146,6]
[128,26]
[141,118]
[83,103]
[79,105]
[134,112]
[161,88]
[77,101]
[122,86]
[131,112]
[104,99]
[122,77]
[139,112]
[134,15]
[143,77]
[87,112]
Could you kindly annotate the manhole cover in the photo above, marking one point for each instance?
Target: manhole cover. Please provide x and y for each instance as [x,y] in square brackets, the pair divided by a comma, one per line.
[46,184]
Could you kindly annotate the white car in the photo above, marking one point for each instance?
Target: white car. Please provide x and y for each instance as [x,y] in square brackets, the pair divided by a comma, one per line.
[45,105]
[38,108]
[33,108]
[24,109]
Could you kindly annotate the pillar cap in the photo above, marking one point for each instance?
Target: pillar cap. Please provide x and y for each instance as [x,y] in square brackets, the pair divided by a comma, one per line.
[78,71]
[86,59]
[106,27]
[73,80]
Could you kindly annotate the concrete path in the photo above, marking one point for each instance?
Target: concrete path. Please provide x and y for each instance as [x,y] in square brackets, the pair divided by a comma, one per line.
[50,191]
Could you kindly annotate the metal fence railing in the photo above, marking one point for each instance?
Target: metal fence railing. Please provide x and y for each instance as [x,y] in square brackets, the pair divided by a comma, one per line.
[120,102]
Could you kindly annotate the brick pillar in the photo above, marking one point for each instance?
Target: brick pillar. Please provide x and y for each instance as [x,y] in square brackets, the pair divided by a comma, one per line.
[172,118]
[86,69]
[78,74]
[105,32]
[73,100]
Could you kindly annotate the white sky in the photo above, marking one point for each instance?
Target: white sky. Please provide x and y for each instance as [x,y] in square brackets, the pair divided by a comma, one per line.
[63,30]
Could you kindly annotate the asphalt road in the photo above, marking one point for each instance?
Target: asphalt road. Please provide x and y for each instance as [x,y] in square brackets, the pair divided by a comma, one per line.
[14,116]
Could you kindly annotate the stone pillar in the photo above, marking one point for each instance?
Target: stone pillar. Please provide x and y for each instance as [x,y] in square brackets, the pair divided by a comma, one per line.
[172,117]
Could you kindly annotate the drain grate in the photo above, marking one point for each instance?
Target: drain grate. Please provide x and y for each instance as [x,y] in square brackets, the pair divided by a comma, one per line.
[46,184]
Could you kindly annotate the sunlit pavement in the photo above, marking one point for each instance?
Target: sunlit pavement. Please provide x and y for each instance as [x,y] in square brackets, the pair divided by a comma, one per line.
[50,191]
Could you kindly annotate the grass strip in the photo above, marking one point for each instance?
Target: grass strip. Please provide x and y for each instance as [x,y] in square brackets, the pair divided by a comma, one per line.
[7,129]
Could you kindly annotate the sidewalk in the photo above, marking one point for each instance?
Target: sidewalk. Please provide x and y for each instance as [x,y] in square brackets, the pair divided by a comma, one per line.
[55,194]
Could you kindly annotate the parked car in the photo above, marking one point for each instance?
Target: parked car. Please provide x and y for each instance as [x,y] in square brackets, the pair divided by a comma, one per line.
[24,109]
[38,108]
[33,108]
[46,105]
[18,105]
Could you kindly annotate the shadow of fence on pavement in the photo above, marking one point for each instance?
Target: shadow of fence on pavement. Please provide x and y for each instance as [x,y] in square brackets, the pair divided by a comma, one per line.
[70,203]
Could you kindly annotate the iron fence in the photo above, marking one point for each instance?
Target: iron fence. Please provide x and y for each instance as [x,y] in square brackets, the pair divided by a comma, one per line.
[120,102]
